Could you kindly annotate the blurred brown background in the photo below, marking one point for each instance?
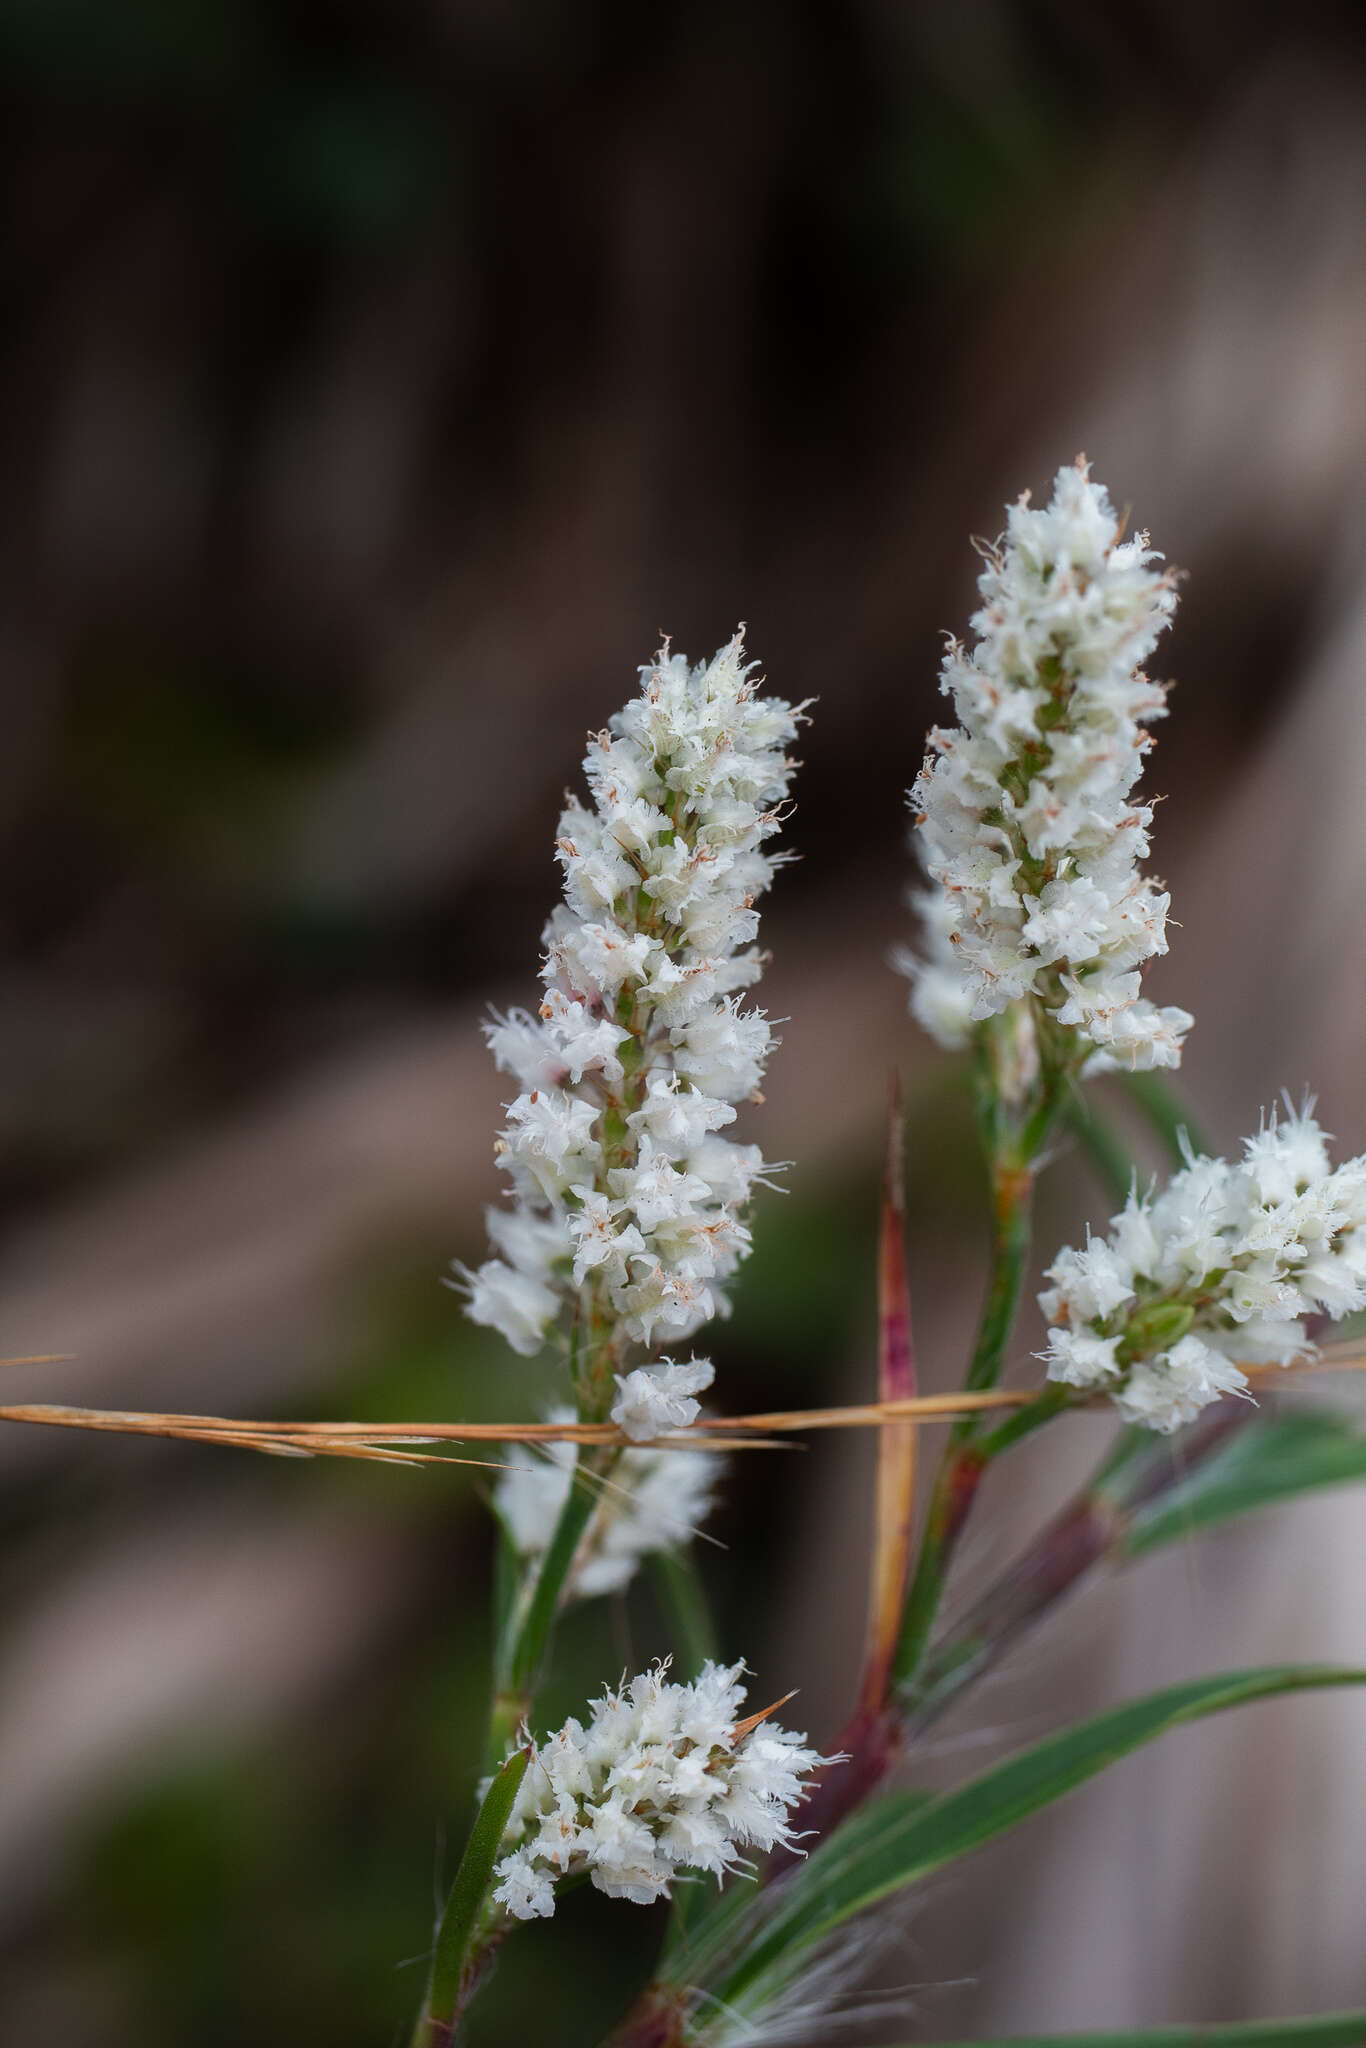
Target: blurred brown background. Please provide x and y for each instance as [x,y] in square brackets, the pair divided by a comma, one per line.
[378,384]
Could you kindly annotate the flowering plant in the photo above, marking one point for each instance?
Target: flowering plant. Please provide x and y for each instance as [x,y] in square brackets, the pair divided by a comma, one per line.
[629,1211]
[627,1218]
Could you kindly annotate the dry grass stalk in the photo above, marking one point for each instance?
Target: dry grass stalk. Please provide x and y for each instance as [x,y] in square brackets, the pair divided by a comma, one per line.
[397,1443]
[894,1510]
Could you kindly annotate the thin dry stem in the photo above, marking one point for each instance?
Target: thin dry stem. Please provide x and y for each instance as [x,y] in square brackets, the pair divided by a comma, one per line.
[393,1442]
[898,1444]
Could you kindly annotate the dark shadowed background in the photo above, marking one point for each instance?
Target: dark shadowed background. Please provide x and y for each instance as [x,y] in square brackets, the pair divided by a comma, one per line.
[379,383]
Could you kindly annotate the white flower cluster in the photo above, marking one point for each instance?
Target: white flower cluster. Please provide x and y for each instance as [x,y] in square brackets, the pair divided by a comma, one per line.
[626,1201]
[662,1779]
[1223,1264]
[654,1399]
[1025,820]
[655,1501]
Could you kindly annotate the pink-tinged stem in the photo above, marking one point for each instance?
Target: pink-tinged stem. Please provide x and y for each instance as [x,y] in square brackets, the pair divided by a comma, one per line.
[896,1457]
[870,1739]
[656,2020]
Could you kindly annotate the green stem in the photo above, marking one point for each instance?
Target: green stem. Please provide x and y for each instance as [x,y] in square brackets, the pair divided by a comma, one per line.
[1023,1422]
[521,1657]
[1013,1200]
[963,1462]
[955,1484]
[1015,1125]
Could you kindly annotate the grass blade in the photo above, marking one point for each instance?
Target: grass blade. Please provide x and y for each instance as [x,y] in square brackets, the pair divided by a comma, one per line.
[455,1958]
[893,1843]
[1271,1458]
[1319,2030]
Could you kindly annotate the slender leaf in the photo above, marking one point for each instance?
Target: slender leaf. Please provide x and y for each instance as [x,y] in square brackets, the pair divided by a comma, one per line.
[1272,1458]
[455,1936]
[1319,2030]
[891,1844]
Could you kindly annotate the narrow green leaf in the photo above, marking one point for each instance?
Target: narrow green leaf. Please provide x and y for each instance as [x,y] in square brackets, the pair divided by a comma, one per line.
[1320,2030]
[899,1840]
[460,1919]
[1270,1459]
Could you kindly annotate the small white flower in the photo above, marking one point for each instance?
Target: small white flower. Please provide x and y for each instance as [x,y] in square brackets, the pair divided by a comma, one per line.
[655,1191]
[600,1240]
[1166,1393]
[723,1051]
[1026,824]
[548,1134]
[656,1783]
[1094,1282]
[657,1398]
[675,1116]
[526,1889]
[1080,1359]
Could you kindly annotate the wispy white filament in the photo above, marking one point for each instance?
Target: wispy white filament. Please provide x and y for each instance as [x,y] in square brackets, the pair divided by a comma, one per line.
[1025,821]
[658,1782]
[627,1204]
[1223,1264]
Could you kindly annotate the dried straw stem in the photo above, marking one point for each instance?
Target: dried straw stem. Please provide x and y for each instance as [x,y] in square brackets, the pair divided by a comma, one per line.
[396,1442]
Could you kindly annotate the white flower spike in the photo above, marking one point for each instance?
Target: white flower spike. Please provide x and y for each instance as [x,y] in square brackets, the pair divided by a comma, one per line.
[664,1778]
[627,1204]
[1026,824]
[1224,1264]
